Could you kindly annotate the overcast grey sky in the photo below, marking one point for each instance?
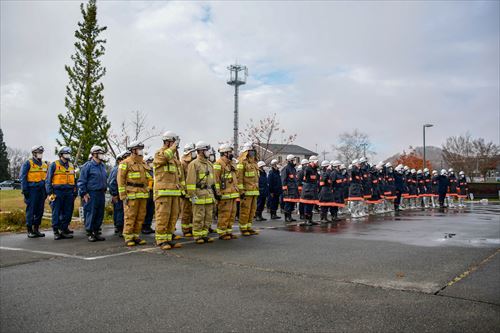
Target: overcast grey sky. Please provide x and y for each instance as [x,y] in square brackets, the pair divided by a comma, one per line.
[385,68]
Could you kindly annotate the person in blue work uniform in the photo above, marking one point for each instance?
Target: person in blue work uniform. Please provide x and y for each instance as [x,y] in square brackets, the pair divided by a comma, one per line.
[92,189]
[150,205]
[275,190]
[61,189]
[118,214]
[263,192]
[32,177]
[310,187]
[290,187]
[443,184]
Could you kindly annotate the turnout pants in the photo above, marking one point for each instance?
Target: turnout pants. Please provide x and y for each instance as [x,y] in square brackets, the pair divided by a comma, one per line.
[94,211]
[248,206]
[62,209]
[226,215]
[202,219]
[186,216]
[35,205]
[166,213]
[135,211]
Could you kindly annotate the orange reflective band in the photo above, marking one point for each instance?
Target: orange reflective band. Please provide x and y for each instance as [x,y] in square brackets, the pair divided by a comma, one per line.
[311,202]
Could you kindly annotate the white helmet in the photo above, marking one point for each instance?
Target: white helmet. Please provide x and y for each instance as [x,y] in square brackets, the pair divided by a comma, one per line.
[170,136]
[406,168]
[355,161]
[419,172]
[450,170]
[260,164]
[413,171]
[100,150]
[434,172]
[379,167]
[349,167]
[443,172]
[398,168]
[132,145]
[37,149]
[247,146]
[290,157]
[304,161]
[189,147]
[202,145]
[225,147]
[313,158]
[325,164]
[123,155]
[461,173]
[342,167]
[362,160]
[299,167]
[335,163]
[426,170]
[274,162]
[388,165]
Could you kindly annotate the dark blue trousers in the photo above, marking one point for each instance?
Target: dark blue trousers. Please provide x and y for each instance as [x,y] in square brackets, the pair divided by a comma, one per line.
[308,209]
[62,209]
[261,203]
[150,212]
[94,211]
[35,205]
[289,207]
[273,202]
[118,214]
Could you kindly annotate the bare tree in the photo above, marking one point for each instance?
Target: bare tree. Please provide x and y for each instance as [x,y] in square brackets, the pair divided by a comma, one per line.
[487,156]
[352,146]
[135,128]
[16,158]
[265,132]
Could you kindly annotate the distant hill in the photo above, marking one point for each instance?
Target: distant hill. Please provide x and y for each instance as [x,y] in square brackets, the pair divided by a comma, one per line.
[432,154]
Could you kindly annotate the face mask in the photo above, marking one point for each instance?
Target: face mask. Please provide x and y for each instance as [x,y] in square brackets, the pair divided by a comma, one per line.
[66,156]
[102,157]
[211,158]
[39,156]
[230,156]
[193,155]
[140,152]
[206,153]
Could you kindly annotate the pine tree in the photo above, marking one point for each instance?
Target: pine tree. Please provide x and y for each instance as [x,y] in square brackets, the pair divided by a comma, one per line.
[84,124]
[4,160]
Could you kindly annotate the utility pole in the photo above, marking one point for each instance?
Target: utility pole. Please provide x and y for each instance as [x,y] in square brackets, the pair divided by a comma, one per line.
[425,125]
[236,79]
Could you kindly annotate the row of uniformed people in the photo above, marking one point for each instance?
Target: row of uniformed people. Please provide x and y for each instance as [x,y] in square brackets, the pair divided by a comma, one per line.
[58,183]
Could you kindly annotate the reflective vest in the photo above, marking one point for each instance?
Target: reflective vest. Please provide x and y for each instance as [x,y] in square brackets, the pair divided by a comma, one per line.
[63,176]
[37,173]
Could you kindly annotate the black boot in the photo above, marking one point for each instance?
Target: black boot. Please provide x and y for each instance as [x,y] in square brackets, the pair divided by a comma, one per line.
[98,237]
[147,230]
[323,218]
[68,231]
[65,235]
[302,217]
[57,235]
[31,234]
[37,232]
[310,220]
[258,217]
[307,222]
[290,218]
[92,237]
[287,217]
[274,216]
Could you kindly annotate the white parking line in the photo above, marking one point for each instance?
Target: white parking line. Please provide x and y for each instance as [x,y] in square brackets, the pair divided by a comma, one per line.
[42,252]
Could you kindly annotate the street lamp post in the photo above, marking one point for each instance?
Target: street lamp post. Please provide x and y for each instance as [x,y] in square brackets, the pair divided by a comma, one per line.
[425,125]
[236,79]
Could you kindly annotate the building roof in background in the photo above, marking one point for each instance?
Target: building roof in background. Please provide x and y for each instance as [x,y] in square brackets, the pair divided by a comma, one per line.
[287,149]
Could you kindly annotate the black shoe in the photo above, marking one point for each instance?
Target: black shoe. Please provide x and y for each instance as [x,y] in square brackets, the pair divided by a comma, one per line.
[147,230]
[88,232]
[67,231]
[259,218]
[98,237]
[290,218]
[37,232]
[65,235]
[211,231]
[302,217]
[117,230]
[92,237]
[57,235]
[31,234]
[275,217]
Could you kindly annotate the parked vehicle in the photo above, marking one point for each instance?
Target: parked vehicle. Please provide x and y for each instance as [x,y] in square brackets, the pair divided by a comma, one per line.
[10,185]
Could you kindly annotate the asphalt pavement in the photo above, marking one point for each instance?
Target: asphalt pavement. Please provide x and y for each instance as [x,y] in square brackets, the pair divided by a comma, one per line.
[416,271]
